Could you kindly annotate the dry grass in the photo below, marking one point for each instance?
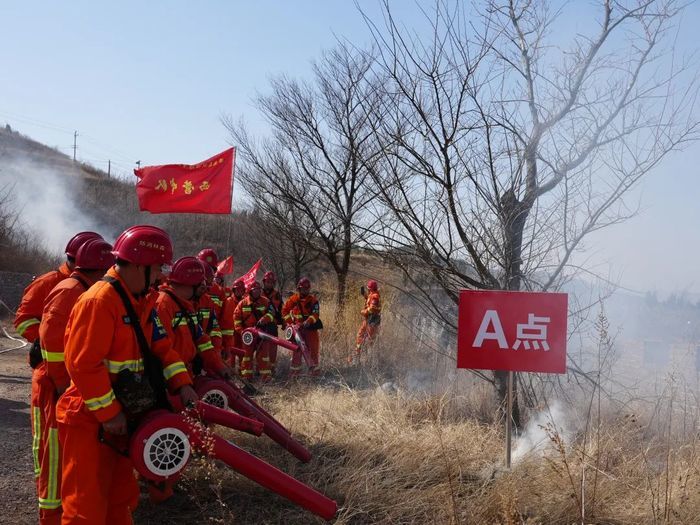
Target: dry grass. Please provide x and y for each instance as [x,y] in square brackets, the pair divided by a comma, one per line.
[394,457]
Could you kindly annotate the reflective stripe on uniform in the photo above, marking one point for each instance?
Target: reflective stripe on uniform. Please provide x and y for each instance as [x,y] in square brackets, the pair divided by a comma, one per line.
[227,332]
[49,504]
[52,357]
[216,300]
[52,500]
[172,370]
[215,333]
[96,403]
[135,365]
[36,439]
[22,327]
[203,347]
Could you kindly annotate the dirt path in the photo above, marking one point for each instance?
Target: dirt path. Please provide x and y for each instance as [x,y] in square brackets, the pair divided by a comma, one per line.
[18,502]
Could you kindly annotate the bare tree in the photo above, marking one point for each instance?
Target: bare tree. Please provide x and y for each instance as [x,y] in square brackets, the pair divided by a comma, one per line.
[313,168]
[283,242]
[504,150]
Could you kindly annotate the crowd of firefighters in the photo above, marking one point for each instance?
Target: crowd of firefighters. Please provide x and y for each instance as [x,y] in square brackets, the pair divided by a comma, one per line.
[92,320]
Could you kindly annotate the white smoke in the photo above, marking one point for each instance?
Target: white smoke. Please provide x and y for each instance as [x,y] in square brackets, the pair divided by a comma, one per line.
[537,434]
[46,199]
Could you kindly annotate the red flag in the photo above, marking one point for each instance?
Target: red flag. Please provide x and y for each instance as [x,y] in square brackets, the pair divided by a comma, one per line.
[225,267]
[250,275]
[206,187]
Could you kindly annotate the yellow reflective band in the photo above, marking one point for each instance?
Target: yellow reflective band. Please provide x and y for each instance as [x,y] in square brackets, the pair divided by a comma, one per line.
[204,314]
[171,371]
[227,332]
[216,300]
[205,346]
[264,372]
[96,403]
[49,504]
[215,333]
[245,360]
[52,357]
[246,308]
[114,367]
[311,318]
[52,493]
[22,327]
[295,368]
[36,439]
[247,373]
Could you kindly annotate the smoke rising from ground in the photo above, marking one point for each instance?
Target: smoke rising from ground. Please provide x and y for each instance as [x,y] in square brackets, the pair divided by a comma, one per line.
[46,201]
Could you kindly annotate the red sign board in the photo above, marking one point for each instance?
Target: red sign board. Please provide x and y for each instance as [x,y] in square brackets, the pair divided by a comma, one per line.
[518,331]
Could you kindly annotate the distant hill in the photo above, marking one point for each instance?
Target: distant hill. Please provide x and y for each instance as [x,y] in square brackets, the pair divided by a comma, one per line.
[46,197]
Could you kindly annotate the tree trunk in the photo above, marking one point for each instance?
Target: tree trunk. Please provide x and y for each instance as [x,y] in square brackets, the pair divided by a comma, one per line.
[513,216]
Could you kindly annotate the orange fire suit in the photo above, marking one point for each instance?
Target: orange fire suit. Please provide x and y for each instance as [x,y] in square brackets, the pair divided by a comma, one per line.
[304,311]
[371,320]
[229,337]
[275,299]
[185,333]
[50,379]
[248,314]
[206,314]
[98,484]
[28,314]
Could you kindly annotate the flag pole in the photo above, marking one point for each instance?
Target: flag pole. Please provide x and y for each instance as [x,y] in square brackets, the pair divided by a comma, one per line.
[509,417]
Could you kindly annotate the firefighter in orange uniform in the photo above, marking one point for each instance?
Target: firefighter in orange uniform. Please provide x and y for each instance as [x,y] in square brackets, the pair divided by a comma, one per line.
[101,350]
[372,317]
[230,338]
[254,311]
[28,314]
[206,310]
[50,378]
[216,292]
[275,298]
[182,323]
[186,335]
[302,309]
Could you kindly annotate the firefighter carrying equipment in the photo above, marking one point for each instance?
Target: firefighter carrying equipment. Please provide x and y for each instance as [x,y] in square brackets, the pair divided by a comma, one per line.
[303,311]
[98,485]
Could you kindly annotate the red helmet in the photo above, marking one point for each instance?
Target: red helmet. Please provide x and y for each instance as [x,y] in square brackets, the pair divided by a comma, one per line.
[94,254]
[304,283]
[239,285]
[78,240]
[187,270]
[255,285]
[208,256]
[269,276]
[144,245]
[372,285]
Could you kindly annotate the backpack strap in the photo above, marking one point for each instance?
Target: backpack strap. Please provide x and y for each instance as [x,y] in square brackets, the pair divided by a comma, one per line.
[152,367]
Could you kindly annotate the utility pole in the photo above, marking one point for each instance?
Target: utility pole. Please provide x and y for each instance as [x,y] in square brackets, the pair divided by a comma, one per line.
[75,144]
[109,168]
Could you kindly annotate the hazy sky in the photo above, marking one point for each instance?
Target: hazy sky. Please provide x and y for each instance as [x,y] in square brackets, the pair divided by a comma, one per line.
[148,81]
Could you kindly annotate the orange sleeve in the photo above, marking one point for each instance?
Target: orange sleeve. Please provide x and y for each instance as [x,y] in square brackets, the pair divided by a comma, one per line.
[238,317]
[226,322]
[89,337]
[52,332]
[174,367]
[287,310]
[28,314]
